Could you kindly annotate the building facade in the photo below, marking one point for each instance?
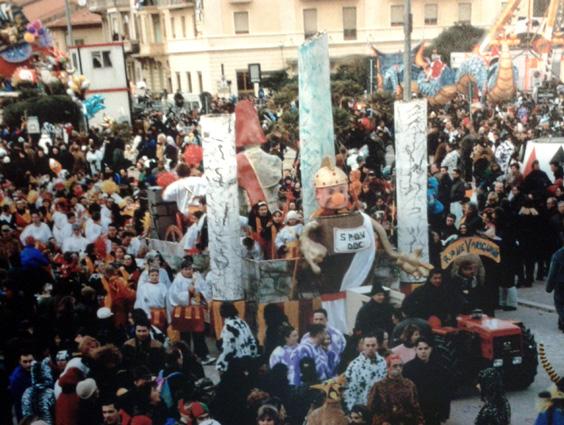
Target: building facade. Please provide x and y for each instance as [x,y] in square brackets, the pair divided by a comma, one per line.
[86,29]
[206,45]
[104,66]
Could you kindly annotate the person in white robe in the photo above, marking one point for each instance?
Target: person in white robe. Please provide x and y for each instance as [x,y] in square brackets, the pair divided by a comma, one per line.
[287,239]
[151,298]
[193,235]
[94,158]
[75,242]
[37,229]
[189,289]
[153,261]
[60,224]
[187,190]
[92,228]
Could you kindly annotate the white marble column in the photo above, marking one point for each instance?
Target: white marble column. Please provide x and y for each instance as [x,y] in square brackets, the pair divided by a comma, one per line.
[220,170]
[410,120]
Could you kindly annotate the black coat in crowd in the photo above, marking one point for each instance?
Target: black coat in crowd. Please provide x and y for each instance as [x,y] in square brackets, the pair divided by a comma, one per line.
[434,387]
[429,300]
[373,315]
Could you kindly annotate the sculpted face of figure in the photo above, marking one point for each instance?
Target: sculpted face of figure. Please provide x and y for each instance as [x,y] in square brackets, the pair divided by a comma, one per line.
[332,197]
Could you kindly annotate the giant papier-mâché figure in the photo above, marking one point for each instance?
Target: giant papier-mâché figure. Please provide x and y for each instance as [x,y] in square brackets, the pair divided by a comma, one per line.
[340,244]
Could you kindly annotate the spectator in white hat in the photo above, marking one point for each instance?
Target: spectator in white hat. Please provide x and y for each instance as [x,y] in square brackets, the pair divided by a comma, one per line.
[89,412]
[287,239]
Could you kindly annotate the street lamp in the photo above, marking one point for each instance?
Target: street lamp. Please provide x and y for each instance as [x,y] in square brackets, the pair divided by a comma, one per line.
[68,16]
[407,27]
[69,23]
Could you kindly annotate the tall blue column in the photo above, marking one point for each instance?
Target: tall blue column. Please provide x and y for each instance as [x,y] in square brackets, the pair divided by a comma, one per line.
[316,114]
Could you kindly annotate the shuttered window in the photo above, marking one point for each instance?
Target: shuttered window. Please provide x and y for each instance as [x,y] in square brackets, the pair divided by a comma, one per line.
[310,22]
[465,13]
[349,23]
[241,22]
[396,15]
[431,14]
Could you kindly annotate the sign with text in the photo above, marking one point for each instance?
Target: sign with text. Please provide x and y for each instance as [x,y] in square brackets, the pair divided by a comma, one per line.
[254,72]
[350,240]
[545,95]
[474,245]
[33,125]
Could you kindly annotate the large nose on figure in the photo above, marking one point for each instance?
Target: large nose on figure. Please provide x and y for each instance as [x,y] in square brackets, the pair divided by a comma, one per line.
[338,200]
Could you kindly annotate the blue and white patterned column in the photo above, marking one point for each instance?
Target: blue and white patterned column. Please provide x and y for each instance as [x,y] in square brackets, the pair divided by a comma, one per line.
[316,114]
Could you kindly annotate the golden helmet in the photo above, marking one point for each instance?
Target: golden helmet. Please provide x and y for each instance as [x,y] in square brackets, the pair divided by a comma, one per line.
[329,175]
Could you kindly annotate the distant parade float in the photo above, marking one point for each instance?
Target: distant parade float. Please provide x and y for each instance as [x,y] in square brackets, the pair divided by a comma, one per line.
[29,58]
[490,68]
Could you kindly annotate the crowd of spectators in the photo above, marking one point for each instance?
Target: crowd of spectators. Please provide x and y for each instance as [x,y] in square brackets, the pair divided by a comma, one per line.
[92,319]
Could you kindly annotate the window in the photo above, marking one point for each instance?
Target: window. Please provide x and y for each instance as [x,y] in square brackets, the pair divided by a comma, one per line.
[158,35]
[101,59]
[115,25]
[178,82]
[189,80]
[200,81]
[540,7]
[396,16]
[79,42]
[138,29]
[465,13]
[183,23]
[431,13]
[125,20]
[241,20]
[74,61]
[244,85]
[349,23]
[172,27]
[310,22]
[160,73]
[146,28]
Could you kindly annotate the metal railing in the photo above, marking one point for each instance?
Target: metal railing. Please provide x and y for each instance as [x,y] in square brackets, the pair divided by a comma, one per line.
[173,2]
[99,5]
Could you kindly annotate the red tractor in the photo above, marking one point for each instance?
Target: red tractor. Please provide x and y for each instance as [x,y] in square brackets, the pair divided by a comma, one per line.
[479,341]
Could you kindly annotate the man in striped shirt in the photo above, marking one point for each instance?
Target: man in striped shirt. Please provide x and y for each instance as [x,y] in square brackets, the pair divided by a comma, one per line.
[311,347]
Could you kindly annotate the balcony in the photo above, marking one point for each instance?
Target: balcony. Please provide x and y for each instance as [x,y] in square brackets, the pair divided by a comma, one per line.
[97,6]
[174,4]
[151,49]
[131,47]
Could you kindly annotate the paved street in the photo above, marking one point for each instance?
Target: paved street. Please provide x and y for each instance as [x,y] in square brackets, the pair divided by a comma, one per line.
[543,325]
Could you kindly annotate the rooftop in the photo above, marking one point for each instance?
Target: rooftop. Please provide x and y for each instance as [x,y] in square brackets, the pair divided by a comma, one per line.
[80,18]
[45,10]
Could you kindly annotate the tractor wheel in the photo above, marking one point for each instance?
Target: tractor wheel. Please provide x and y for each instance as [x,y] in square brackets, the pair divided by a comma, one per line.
[449,359]
[173,234]
[521,377]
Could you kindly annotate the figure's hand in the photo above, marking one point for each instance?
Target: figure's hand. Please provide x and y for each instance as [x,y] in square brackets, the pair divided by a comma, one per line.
[314,252]
[413,265]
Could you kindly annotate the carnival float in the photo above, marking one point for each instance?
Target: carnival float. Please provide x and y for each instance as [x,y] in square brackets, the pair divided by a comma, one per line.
[490,68]
[28,58]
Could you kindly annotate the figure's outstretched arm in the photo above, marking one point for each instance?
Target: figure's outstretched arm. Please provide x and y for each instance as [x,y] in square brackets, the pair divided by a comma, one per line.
[409,263]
